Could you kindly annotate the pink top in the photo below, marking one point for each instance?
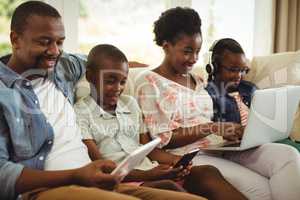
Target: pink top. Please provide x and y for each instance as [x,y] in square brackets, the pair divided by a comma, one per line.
[167,105]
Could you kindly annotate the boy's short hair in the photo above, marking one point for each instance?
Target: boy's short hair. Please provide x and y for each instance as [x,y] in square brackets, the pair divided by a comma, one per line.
[27,9]
[104,51]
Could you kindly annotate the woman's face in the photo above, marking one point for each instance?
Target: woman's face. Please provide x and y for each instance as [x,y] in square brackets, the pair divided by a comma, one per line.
[183,54]
[231,69]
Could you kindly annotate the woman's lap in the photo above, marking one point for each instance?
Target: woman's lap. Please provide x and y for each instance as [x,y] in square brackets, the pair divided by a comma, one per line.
[251,184]
[279,163]
[269,170]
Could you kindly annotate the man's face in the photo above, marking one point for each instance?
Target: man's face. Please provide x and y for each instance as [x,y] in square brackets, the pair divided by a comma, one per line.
[40,44]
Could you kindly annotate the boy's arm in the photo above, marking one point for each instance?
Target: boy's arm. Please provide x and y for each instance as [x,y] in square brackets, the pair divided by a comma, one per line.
[83,119]
[159,155]
[93,150]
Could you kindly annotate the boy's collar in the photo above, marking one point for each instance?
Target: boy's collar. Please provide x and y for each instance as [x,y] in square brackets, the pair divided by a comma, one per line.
[99,111]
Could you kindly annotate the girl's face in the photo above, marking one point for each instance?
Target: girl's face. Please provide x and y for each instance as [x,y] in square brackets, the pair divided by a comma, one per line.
[233,66]
[183,54]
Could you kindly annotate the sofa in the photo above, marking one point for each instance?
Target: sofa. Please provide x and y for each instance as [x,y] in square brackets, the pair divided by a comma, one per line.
[275,70]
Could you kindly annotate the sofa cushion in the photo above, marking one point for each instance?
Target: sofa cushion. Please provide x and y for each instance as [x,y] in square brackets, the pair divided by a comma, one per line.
[275,70]
[295,133]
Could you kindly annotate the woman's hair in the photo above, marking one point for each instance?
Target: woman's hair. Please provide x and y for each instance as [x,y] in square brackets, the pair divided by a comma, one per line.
[218,50]
[174,22]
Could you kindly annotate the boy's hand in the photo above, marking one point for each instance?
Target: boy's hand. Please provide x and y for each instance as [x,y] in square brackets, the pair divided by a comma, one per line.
[96,174]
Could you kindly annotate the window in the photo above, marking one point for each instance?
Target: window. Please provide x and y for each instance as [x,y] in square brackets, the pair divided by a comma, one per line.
[230,18]
[125,24]
[6,9]
[129,25]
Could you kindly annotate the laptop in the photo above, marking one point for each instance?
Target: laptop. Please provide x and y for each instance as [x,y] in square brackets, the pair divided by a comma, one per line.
[270,118]
[135,158]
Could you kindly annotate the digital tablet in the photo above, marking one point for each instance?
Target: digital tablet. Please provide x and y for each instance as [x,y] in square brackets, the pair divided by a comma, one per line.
[135,158]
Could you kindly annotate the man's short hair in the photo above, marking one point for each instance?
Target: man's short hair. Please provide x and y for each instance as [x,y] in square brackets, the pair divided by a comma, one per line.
[27,9]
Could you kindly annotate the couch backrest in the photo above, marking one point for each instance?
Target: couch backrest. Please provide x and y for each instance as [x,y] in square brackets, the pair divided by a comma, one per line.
[83,87]
[275,70]
[266,71]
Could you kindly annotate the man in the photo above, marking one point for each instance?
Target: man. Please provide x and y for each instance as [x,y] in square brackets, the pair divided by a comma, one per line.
[41,152]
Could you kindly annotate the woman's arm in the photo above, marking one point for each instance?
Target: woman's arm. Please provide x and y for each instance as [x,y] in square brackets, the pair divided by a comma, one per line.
[184,136]
[159,155]
[93,150]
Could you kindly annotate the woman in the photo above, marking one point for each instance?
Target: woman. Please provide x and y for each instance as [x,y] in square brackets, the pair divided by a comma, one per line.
[177,108]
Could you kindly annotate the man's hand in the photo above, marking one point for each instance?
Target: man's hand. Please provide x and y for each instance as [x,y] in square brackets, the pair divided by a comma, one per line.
[96,174]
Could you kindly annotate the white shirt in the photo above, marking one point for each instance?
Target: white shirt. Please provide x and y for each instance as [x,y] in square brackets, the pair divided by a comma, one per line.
[117,135]
[68,151]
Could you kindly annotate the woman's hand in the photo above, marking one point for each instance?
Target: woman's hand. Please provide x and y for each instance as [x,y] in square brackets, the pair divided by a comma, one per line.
[228,130]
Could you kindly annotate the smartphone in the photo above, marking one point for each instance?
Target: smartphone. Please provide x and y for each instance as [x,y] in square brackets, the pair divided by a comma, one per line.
[186,159]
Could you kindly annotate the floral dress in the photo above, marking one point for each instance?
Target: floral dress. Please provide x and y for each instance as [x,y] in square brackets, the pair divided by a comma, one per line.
[167,105]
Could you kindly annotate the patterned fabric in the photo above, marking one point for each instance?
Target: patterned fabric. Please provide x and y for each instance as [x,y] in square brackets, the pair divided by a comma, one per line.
[167,106]
[243,109]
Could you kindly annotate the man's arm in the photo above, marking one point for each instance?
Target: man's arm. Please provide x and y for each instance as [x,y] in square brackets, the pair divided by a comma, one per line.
[73,65]
[95,174]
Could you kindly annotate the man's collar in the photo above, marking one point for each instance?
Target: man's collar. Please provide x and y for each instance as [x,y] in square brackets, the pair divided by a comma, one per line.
[8,76]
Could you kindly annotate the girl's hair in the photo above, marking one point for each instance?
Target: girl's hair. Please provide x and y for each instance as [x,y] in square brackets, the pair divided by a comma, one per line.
[222,45]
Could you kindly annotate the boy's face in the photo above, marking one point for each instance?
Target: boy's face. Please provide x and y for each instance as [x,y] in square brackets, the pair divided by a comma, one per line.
[109,80]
